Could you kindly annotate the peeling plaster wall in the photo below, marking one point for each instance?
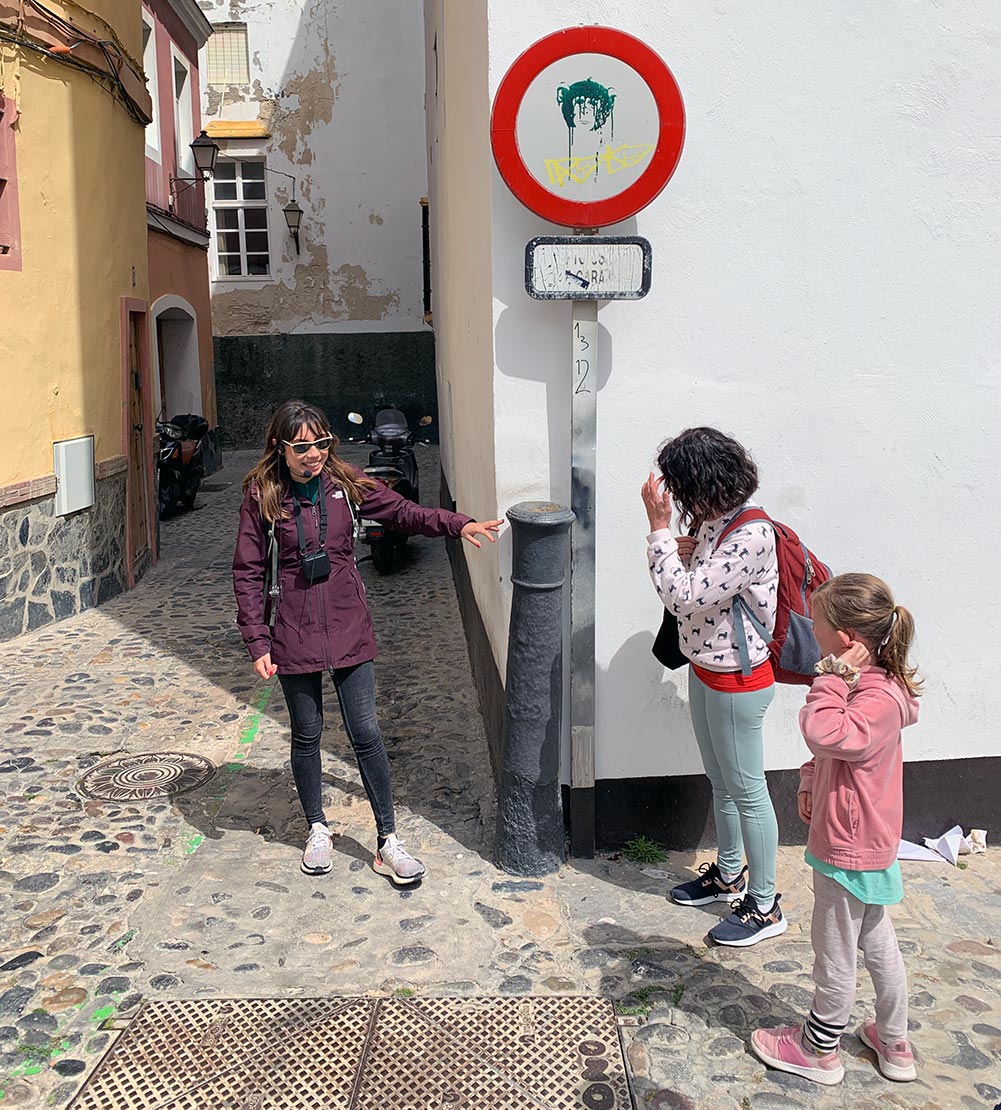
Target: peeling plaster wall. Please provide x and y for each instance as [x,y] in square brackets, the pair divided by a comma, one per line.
[341,89]
[825,287]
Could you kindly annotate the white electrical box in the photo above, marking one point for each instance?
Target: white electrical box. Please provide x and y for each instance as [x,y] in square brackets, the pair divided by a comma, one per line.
[73,462]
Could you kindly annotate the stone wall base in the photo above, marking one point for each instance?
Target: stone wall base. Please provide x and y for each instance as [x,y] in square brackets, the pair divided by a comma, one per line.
[54,566]
[677,810]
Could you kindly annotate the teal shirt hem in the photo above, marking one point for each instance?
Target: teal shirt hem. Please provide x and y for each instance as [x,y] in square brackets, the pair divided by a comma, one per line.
[872,888]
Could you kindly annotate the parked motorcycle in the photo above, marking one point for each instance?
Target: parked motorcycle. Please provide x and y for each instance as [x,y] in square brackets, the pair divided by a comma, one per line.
[180,460]
[394,464]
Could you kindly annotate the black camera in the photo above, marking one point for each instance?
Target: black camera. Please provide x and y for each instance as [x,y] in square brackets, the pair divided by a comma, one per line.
[315,565]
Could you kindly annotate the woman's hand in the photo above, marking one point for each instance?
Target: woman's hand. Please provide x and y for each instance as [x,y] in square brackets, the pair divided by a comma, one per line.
[804,802]
[480,528]
[657,503]
[856,654]
[686,546]
[264,667]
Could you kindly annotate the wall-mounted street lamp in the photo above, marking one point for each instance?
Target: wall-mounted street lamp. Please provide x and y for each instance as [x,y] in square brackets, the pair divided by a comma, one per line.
[292,211]
[293,217]
[205,153]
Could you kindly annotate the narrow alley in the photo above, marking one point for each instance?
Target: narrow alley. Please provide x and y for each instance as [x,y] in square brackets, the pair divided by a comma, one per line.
[107,905]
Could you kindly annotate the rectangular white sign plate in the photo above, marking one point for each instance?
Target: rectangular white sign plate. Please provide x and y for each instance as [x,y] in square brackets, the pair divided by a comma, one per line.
[588,268]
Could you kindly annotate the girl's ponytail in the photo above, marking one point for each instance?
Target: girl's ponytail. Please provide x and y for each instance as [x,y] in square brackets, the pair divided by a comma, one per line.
[892,652]
[862,605]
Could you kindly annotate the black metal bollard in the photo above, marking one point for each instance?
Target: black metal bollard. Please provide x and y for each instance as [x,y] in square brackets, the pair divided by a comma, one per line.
[530,836]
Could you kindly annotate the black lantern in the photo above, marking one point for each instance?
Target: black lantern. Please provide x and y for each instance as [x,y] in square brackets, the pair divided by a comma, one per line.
[205,152]
[293,217]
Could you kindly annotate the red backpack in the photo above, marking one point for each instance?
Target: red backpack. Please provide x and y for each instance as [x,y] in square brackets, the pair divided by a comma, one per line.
[793,646]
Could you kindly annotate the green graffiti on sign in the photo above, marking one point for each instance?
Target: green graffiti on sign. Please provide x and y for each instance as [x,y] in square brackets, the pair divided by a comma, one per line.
[586,104]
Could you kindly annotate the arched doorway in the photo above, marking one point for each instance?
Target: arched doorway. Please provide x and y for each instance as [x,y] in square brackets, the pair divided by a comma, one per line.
[177,370]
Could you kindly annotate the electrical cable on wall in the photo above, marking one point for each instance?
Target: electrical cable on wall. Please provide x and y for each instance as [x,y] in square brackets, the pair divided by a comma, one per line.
[114,55]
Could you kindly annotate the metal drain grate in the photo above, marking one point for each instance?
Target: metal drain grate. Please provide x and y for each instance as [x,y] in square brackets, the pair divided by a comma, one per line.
[129,778]
[365,1054]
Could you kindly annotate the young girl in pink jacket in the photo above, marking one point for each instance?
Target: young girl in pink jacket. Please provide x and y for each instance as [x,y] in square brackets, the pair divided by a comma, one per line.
[851,796]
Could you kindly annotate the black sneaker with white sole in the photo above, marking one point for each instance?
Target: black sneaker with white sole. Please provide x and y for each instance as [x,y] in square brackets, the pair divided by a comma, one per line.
[710,887]
[747,924]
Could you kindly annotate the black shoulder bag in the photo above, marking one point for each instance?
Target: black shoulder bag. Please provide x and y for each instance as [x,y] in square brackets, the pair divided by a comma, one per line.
[667,646]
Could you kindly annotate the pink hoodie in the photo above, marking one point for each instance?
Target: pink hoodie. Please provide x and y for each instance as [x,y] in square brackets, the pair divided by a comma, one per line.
[856,774]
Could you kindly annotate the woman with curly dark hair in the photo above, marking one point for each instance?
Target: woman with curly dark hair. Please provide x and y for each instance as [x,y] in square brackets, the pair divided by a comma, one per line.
[699,576]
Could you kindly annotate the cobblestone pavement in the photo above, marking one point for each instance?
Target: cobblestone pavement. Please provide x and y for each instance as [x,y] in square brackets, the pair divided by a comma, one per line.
[104,905]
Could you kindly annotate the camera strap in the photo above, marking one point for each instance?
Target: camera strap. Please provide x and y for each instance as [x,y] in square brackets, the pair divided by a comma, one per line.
[323,521]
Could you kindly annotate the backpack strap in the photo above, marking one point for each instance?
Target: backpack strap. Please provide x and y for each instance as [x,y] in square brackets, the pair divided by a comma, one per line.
[740,607]
[748,516]
[272,590]
[353,510]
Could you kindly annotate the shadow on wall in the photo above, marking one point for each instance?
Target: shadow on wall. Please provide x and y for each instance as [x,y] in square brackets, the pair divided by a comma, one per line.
[673,809]
[669,808]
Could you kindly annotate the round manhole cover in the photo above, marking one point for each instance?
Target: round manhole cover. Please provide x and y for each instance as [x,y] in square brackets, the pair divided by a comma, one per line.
[129,778]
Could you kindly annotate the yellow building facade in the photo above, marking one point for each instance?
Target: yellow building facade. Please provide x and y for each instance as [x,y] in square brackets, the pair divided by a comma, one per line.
[77,514]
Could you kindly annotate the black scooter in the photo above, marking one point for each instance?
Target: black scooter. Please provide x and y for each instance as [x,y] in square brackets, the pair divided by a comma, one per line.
[394,464]
[180,460]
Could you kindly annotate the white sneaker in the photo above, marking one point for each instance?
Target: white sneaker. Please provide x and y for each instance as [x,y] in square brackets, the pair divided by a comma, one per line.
[394,860]
[317,857]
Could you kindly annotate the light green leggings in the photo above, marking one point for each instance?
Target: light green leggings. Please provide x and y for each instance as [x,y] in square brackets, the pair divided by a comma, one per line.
[728,728]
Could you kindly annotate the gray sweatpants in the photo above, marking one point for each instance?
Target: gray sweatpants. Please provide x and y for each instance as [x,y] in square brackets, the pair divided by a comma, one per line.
[841,924]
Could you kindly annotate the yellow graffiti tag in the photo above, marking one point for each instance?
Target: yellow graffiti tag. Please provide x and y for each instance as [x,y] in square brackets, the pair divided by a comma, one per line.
[579,170]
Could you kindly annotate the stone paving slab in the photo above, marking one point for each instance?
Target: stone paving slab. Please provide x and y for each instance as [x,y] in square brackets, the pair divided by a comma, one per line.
[103,905]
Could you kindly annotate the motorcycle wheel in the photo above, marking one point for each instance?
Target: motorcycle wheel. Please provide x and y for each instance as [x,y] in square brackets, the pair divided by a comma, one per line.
[384,553]
[167,495]
[188,500]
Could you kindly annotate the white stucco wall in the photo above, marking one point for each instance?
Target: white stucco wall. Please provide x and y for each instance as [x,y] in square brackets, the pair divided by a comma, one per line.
[459,177]
[825,288]
[339,89]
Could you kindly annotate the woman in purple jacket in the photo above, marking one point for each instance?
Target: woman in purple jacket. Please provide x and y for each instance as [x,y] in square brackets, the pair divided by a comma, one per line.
[315,617]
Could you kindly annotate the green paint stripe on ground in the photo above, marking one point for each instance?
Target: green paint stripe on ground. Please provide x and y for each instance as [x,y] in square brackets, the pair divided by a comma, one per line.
[252,726]
[260,704]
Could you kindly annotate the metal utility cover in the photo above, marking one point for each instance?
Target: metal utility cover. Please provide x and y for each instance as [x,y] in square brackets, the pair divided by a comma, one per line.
[588,268]
[130,778]
[365,1054]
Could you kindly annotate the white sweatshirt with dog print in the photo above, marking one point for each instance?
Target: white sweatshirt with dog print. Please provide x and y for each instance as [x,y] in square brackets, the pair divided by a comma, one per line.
[701,595]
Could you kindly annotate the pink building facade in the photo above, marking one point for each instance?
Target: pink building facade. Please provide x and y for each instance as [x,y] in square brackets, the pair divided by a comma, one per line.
[180,310]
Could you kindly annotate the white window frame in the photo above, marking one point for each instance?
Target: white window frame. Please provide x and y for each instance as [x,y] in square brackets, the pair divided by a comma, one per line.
[241,205]
[153,84]
[184,115]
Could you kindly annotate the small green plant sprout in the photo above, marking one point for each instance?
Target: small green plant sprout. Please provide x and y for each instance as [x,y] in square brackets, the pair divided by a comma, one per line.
[642,850]
[677,993]
[404,992]
[637,1003]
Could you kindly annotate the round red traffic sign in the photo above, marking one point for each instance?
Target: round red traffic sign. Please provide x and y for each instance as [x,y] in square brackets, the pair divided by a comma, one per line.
[587,126]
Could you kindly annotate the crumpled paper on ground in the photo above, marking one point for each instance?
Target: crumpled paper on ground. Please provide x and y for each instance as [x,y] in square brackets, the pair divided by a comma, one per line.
[949,846]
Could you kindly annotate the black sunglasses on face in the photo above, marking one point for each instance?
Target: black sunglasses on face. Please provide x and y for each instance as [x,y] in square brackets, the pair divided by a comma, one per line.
[301,448]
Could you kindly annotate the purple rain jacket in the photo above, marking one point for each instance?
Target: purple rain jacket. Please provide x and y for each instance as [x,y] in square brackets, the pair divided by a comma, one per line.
[325,624]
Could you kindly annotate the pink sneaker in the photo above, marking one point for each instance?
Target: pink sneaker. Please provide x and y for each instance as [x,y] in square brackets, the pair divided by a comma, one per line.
[783,1049]
[895,1058]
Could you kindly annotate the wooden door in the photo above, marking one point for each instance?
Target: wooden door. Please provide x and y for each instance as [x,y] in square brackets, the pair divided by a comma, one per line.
[138,522]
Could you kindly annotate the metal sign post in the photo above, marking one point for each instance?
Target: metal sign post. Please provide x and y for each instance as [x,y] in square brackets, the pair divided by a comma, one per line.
[584,348]
[587,127]
[582,269]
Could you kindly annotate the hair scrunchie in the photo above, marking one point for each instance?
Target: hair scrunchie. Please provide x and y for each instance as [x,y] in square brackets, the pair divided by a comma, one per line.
[893,623]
